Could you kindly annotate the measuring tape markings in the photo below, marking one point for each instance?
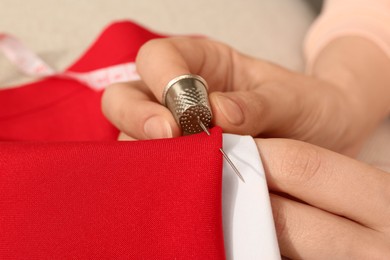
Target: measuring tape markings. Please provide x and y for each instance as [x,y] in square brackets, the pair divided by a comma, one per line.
[32,65]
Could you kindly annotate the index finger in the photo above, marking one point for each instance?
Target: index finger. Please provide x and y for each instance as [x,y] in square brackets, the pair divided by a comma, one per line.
[327,180]
[161,60]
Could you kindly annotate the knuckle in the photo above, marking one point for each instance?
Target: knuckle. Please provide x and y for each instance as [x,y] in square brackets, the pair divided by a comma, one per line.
[301,163]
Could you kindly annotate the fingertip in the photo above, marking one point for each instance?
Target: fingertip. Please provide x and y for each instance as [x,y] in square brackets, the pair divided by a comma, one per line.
[242,112]
[228,113]
[228,108]
[131,109]
[157,127]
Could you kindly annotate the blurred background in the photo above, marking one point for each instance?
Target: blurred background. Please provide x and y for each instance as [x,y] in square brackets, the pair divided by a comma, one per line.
[61,30]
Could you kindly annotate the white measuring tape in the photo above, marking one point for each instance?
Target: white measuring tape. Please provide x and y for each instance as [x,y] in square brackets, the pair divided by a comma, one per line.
[32,65]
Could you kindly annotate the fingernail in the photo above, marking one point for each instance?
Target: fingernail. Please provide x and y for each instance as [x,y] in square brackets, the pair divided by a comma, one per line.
[157,127]
[230,110]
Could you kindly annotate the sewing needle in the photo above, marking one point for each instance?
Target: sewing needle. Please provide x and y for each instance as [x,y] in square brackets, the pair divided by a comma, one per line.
[204,128]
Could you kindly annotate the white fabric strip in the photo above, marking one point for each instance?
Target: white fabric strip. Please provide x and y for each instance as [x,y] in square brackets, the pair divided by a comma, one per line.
[101,78]
[249,230]
[24,59]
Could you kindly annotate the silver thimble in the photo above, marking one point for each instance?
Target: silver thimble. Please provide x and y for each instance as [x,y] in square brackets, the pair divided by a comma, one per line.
[186,97]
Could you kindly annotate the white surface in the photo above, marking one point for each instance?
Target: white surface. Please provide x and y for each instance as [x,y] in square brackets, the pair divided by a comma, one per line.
[249,230]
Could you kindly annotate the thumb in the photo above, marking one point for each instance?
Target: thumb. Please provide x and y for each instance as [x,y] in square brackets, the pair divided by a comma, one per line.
[238,112]
[268,111]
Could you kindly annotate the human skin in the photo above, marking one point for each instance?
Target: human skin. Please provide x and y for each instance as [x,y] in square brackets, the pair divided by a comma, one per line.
[326,205]
[336,107]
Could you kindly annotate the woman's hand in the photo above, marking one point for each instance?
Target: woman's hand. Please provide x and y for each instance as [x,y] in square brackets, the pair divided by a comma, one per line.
[248,96]
[325,205]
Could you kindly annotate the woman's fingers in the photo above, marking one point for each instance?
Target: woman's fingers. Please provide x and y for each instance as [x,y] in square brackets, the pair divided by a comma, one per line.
[161,60]
[306,232]
[247,96]
[291,107]
[251,96]
[271,110]
[328,181]
[132,108]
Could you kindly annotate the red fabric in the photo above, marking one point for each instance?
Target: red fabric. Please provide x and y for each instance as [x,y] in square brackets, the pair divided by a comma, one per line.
[112,200]
[57,109]
[103,199]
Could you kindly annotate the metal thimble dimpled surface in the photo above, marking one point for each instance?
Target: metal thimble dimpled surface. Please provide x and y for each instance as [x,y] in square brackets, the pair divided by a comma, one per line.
[187,99]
